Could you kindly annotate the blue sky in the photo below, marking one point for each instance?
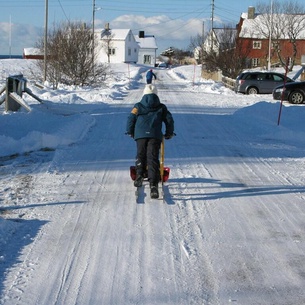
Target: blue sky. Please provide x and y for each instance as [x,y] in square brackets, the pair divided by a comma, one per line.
[172,22]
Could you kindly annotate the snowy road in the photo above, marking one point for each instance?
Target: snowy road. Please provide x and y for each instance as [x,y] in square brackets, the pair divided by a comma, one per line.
[231,230]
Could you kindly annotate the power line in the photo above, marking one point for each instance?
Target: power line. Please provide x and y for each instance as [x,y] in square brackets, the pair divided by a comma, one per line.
[63,10]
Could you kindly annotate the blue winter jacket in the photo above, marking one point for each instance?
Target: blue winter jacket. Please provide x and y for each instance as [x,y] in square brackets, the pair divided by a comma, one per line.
[146,118]
[149,75]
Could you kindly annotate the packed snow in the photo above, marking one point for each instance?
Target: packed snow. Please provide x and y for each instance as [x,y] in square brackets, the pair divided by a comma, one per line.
[229,230]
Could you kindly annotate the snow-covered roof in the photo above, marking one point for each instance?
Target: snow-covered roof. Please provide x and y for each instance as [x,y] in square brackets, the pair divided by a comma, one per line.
[244,15]
[32,51]
[257,27]
[219,33]
[147,42]
[118,34]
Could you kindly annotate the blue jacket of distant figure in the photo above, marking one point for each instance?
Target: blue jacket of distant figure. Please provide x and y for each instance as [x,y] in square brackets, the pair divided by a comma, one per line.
[149,76]
[147,117]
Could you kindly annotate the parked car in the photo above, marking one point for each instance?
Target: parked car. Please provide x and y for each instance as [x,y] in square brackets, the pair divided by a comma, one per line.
[162,65]
[259,82]
[294,93]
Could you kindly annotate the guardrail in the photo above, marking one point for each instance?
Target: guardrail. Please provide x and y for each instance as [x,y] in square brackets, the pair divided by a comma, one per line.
[15,86]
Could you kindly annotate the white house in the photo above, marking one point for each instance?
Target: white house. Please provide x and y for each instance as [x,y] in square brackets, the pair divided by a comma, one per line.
[148,49]
[211,42]
[219,39]
[121,44]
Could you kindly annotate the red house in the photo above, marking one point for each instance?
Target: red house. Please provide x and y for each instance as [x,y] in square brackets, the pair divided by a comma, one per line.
[32,53]
[257,45]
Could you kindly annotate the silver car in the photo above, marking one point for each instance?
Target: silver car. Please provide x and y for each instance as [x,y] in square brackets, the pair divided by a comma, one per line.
[259,82]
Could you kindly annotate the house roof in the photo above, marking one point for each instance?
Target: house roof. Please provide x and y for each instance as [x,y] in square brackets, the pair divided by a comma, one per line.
[32,51]
[257,27]
[118,34]
[147,42]
[219,33]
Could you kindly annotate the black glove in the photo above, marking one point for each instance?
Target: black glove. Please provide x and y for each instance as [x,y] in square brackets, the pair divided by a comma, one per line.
[168,136]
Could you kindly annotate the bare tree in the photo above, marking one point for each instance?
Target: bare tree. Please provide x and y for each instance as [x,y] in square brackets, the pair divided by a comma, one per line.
[70,58]
[53,71]
[180,56]
[197,47]
[107,42]
[227,54]
[169,53]
[295,23]
[282,21]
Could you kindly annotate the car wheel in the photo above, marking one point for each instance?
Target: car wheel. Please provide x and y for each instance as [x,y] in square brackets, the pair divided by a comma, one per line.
[296,97]
[252,90]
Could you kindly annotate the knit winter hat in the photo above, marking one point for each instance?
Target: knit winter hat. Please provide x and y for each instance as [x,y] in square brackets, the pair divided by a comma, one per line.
[150,89]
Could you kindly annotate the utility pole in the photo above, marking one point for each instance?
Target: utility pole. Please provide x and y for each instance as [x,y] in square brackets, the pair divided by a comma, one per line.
[270,35]
[93,38]
[94,8]
[10,38]
[45,41]
[202,39]
[212,25]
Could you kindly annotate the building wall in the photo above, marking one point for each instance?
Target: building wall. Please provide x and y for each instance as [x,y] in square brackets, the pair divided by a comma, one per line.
[121,48]
[133,46]
[147,53]
[245,45]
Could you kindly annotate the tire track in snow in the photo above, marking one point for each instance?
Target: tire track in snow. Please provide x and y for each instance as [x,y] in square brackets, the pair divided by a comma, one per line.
[229,220]
[241,186]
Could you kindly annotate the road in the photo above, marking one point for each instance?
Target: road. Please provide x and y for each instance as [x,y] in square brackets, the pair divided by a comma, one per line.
[231,229]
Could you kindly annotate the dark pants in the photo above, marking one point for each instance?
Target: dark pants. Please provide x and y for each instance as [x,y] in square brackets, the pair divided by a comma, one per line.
[149,80]
[148,157]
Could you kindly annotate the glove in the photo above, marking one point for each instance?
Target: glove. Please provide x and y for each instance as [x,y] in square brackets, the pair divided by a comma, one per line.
[129,134]
[168,136]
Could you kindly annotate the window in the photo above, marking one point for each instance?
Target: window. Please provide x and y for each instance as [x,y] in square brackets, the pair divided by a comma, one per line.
[257,44]
[147,59]
[111,51]
[278,78]
[129,51]
[264,76]
[275,45]
[269,77]
[255,62]
[251,76]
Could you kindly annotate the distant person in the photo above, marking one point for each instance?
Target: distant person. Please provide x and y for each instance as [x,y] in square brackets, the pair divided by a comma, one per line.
[149,76]
[144,124]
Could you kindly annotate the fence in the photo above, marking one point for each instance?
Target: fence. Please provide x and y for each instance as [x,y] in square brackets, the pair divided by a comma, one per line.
[218,77]
[228,82]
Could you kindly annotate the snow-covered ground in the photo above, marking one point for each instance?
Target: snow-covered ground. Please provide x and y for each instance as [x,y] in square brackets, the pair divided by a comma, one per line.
[231,228]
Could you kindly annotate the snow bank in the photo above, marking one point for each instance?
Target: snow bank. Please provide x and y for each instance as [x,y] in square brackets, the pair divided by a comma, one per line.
[269,120]
[25,132]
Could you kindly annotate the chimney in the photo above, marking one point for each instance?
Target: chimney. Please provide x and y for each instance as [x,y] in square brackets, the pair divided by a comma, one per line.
[141,34]
[251,12]
[107,28]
